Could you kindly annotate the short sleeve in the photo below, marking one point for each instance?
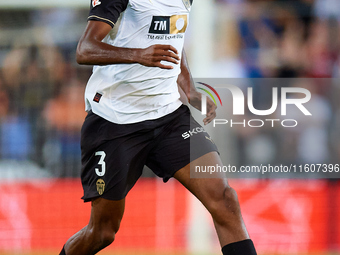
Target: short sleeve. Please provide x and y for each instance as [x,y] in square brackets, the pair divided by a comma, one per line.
[107,11]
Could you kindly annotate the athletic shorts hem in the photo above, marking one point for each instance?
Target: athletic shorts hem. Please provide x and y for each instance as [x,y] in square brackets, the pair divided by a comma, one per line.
[114,155]
[192,159]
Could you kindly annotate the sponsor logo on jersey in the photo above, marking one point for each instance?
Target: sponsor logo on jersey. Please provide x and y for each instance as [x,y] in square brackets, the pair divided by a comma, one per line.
[95,3]
[100,186]
[175,24]
[193,132]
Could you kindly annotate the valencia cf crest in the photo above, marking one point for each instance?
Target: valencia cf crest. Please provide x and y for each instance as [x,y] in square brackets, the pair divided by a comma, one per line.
[95,3]
[187,4]
[100,186]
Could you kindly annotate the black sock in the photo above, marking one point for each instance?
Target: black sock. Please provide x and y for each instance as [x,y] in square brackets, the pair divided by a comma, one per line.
[245,247]
[62,252]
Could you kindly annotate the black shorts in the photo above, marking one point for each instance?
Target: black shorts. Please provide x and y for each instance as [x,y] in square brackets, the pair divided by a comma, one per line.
[113,155]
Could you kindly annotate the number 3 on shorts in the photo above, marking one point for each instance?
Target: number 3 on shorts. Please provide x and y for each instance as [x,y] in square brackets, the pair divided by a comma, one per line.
[101,162]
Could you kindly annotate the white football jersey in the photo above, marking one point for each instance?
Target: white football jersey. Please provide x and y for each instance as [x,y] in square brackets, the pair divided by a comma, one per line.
[130,93]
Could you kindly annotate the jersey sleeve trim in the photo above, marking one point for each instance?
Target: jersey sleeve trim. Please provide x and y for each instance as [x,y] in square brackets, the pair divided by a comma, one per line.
[94,17]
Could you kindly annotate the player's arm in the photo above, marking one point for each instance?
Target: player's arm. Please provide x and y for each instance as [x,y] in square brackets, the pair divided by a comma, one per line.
[187,85]
[92,51]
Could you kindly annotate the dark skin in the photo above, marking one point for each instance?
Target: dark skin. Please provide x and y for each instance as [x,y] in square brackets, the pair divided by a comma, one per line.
[187,85]
[92,51]
[215,194]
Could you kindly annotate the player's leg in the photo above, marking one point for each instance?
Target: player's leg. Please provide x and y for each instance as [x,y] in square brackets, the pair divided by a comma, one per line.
[113,157]
[105,219]
[222,203]
[181,141]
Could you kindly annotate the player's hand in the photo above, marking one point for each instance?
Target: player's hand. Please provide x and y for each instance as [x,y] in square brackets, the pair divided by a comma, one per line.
[196,101]
[153,55]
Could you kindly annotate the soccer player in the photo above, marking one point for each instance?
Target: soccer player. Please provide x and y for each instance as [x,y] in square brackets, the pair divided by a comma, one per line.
[135,118]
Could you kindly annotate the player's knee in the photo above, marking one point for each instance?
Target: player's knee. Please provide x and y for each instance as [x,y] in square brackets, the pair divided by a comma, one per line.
[108,232]
[107,237]
[104,234]
[226,208]
[102,237]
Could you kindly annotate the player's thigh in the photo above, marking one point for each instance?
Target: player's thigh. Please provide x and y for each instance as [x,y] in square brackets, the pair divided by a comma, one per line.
[181,141]
[113,156]
[106,215]
[207,190]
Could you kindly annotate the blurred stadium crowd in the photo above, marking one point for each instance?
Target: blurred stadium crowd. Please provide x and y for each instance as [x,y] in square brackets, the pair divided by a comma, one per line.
[41,85]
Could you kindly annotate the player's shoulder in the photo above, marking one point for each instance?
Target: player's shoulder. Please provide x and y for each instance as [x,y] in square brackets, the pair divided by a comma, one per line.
[163,4]
[108,4]
[107,11]
[95,3]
